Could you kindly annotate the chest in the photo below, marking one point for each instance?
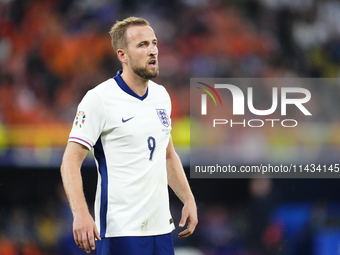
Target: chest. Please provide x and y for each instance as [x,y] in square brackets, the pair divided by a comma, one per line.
[132,121]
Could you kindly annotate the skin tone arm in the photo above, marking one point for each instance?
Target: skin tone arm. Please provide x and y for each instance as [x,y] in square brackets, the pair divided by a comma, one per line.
[179,184]
[84,228]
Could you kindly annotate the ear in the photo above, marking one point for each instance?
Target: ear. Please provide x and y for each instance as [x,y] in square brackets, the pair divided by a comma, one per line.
[121,54]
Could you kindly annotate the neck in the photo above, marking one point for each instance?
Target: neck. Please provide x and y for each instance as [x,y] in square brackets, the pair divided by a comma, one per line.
[136,83]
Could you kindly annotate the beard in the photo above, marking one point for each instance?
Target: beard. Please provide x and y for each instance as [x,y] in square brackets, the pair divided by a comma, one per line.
[143,72]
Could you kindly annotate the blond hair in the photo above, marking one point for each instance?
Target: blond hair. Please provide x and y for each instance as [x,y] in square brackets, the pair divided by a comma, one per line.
[118,31]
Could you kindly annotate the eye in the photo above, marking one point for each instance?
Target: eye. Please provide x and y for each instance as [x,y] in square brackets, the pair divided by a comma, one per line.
[143,44]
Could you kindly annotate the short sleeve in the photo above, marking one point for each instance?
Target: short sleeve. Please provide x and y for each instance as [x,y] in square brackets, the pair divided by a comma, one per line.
[89,121]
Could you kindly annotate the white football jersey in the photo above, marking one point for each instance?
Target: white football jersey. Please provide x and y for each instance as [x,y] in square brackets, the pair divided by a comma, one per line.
[129,135]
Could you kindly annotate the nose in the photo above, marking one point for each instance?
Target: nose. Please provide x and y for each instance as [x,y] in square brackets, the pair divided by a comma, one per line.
[153,50]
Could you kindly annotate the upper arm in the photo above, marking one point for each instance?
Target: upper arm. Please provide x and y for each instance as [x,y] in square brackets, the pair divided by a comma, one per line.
[75,153]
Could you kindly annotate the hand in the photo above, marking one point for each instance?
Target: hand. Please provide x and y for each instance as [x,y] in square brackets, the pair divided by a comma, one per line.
[84,232]
[189,214]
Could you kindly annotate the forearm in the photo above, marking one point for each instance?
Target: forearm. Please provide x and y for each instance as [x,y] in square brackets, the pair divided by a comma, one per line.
[72,179]
[179,184]
[177,179]
[84,228]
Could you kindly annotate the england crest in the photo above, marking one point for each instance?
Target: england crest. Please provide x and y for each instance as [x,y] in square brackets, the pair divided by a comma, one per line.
[163,117]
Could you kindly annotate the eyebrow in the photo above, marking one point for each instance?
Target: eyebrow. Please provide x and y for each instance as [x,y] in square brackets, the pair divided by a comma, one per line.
[146,41]
[142,42]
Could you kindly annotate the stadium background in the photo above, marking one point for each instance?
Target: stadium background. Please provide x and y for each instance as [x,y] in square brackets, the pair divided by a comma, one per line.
[52,52]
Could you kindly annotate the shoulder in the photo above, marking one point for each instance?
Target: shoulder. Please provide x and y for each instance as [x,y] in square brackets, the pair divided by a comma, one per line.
[159,93]
[158,88]
[96,96]
[102,88]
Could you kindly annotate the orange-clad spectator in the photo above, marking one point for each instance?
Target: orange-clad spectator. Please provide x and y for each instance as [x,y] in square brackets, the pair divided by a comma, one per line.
[7,94]
[7,247]
[31,248]
[65,55]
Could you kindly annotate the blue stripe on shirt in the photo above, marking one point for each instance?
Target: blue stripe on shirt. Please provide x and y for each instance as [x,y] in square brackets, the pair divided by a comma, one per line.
[102,168]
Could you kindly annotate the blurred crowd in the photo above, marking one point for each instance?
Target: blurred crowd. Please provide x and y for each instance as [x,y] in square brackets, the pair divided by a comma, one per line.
[52,52]
[258,225]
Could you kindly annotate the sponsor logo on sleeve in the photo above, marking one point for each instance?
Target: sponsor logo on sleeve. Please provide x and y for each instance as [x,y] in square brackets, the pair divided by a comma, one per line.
[80,119]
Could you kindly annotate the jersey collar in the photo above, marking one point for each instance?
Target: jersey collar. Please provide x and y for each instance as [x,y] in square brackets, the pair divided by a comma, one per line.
[121,83]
